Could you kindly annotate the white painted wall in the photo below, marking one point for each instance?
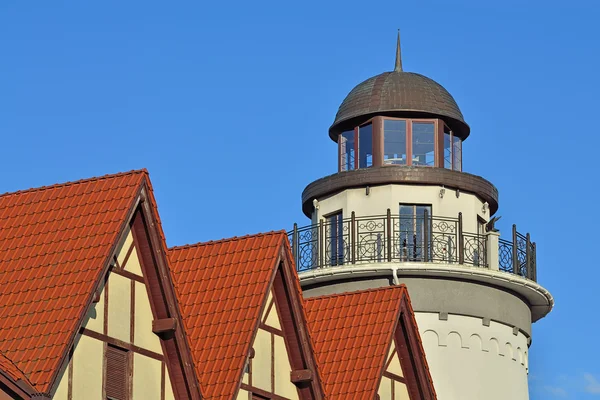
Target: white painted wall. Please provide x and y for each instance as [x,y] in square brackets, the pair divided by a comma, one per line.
[470,361]
[381,198]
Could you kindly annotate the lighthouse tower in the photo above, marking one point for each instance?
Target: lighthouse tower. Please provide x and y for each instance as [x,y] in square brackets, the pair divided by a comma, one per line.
[401,210]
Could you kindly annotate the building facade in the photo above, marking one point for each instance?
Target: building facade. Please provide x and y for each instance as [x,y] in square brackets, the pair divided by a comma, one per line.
[94,306]
[401,210]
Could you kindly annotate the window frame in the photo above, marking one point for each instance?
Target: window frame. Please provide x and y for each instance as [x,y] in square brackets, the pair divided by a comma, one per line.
[409,137]
[358,135]
[354,147]
[378,143]
[338,239]
[425,243]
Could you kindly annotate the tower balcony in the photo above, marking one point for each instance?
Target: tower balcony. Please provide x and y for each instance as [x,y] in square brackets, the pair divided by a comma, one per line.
[422,240]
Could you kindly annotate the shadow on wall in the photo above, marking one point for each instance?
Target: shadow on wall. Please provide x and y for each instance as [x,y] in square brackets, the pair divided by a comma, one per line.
[454,340]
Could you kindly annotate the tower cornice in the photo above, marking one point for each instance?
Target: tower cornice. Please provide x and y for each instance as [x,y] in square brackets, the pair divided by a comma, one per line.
[394,174]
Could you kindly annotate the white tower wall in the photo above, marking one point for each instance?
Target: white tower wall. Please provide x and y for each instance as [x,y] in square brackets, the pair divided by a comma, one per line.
[380,198]
[469,360]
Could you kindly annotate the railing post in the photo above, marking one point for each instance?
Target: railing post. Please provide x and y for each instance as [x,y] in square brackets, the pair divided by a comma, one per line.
[534,269]
[461,242]
[492,249]
[426,236]
[321,243]
[528,255]
[353,234]
[389,235]
[515,253]
[295,244]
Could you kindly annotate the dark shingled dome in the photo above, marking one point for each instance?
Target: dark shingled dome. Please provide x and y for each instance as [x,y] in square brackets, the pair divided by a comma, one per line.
[402,94]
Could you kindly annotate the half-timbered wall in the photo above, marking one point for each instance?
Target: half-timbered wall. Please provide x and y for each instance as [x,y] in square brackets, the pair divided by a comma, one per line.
[268,371]
[120,317]
[393,383]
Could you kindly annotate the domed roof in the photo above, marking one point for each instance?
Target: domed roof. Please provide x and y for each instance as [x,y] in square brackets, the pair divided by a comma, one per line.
[399,93]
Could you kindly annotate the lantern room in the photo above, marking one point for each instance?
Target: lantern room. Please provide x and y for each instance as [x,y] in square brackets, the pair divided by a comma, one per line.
[400,141]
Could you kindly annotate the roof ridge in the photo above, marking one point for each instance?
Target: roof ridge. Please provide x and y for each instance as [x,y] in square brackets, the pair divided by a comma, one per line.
[361,291]
[76,182]
[224,240]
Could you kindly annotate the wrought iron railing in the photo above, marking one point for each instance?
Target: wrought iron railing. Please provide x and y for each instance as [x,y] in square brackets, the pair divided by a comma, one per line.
[400,238]
[518,256]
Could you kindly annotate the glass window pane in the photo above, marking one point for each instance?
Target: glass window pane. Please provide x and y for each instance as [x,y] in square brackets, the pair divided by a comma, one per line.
[335,239]
[447,148]
[347,151]
[365,146]
[457,153]
[423,139]
[394,142]
[413,243]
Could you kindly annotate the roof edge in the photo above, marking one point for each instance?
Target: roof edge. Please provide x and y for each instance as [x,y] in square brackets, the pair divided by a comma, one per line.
[224,240]
[76,182]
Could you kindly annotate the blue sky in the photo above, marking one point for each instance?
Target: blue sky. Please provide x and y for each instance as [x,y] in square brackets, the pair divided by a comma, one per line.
[227,104]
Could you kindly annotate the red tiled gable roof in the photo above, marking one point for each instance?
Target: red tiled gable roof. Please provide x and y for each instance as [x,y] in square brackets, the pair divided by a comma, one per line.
[54,243]
[352,333]
[8,368]
[221,287]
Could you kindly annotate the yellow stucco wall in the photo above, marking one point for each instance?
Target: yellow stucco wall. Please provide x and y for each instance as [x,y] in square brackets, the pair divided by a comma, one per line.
[133,263]
[119,307]
[143,335]
[272,318]
[62,391]
[385,389]
[146,378]
[261,363]
[124,247]
[87,369]
[283,385]
[395,367]
[243,395]
[400,391]
[95,315]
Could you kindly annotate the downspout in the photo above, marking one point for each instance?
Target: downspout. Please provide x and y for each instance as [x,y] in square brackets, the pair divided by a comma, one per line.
[395,276]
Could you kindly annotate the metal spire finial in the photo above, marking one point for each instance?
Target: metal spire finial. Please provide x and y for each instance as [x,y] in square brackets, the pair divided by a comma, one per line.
[398,67]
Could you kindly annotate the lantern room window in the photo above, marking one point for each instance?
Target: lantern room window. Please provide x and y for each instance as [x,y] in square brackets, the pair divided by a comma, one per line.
[347,151]
[396,141]
[456,153]
[423,143]
[365,146]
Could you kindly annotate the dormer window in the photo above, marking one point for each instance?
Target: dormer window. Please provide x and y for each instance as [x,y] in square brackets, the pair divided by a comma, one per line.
[400,141]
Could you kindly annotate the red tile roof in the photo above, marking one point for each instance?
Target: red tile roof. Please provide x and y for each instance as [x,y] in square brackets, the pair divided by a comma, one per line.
[221,287]
[352,334]
[54,243]
[7,367]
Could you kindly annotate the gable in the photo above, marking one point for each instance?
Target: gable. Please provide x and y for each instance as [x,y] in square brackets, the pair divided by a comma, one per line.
[371,334]
[412,355]
[393,385]
[117,339]
[102,281]
[55,242]
[242,310]
[269,368]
